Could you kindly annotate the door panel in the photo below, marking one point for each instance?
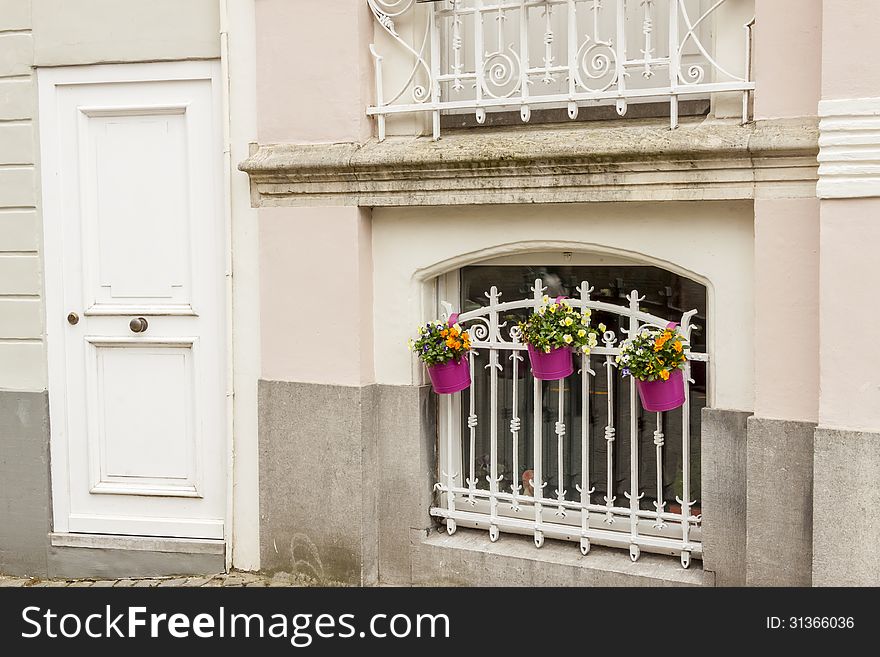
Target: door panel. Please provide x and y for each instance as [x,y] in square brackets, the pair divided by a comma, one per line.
[148,225]
[134,214]
[142,404]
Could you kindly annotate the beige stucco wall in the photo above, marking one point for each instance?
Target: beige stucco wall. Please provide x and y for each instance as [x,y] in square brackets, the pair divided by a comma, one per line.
[22,353]
[316,295]
[313,70]
[711,242]
[92,31]
[49,33]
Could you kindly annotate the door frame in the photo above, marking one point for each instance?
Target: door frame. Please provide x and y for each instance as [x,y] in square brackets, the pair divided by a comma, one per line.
[48,79]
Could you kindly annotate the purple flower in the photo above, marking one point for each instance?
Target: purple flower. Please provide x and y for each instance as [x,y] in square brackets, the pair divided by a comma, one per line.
[626,371]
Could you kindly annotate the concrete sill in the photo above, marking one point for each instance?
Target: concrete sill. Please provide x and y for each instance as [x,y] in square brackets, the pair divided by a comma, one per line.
[637,160]
[469,558]
[138,543]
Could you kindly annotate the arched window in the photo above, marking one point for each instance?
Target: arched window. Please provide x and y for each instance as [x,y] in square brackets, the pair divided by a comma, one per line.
[589,410]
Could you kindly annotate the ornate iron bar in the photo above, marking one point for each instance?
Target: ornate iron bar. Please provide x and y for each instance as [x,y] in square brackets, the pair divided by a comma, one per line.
[524,507]
[484,55]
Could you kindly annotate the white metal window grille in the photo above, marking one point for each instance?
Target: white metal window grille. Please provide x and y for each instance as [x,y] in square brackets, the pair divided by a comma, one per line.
[470,495]
[484,55]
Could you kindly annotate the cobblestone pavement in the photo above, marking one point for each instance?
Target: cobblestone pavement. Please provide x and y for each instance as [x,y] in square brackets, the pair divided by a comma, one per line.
[233,579]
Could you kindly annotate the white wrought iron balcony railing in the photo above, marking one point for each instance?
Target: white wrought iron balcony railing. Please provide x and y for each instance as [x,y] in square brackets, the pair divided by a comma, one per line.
[436,56]
[509,490]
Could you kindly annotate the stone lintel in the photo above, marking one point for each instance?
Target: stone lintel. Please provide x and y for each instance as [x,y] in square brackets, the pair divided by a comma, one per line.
[633,160]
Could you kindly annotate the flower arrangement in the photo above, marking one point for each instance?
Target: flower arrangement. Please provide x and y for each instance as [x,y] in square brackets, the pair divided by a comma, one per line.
[440,343]
[557,325]
[443,347]
[653,354]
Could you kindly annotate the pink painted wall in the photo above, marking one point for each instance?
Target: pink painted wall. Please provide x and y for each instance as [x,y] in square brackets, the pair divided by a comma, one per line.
[850,34]
[849,234]
[850,350]
[316,281]
[787,57]
[787,308]
[313,86]
[313,70]
[787,70]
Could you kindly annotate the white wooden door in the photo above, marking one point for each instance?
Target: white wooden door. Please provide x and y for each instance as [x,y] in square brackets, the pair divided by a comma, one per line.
[132,159]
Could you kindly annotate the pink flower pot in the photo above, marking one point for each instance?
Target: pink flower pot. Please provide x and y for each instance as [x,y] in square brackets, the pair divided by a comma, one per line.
[450,377]
[662,395]
[558,364]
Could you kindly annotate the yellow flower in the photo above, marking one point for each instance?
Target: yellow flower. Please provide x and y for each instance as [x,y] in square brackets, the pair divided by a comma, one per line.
[601,327]
[677,346]
[587,312]
[554,307]
[547,350]
[581,333]
[569,321]
[585,349]
[664,374]
[567,338]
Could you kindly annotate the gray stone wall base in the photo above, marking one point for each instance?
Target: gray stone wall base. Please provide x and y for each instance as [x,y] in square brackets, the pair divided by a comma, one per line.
[469,558]
[407,462]
[25,506]
[100,563]
[846,508]
[724,437]
[345,479]
[779,472]
[319,481]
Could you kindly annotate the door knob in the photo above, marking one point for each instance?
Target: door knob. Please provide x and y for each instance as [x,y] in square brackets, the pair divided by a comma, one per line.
[72,318]
[138,325]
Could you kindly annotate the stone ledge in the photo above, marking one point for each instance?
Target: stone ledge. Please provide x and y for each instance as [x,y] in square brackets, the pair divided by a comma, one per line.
[469,558]
[605,161]
[138,543]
